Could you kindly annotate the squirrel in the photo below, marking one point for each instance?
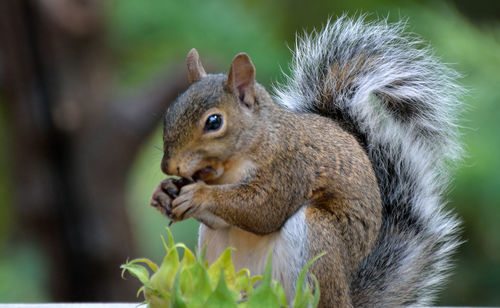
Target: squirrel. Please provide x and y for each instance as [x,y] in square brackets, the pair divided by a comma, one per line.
[350,157]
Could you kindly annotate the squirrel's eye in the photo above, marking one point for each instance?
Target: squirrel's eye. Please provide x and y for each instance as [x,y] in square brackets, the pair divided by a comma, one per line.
[214,122]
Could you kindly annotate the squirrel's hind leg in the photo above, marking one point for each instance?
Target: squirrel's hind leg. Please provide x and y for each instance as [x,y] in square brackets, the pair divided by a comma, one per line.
[330,269]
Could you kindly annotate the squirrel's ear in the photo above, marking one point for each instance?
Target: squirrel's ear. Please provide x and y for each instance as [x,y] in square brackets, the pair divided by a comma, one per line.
[241,79]
[194,67]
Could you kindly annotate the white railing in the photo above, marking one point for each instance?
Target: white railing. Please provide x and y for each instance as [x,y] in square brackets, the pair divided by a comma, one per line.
[106,305]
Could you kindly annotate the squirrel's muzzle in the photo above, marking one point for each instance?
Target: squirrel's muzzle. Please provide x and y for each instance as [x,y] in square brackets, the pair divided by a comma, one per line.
[186,164]
[164,164]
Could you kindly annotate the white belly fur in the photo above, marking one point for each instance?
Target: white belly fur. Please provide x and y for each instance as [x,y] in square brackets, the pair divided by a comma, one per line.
[289,247]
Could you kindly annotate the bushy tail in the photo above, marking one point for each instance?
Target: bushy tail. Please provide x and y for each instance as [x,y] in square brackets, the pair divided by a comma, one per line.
[394,95]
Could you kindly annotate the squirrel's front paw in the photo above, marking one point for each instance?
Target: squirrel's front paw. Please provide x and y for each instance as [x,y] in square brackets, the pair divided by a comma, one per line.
[165,193]
[191,200]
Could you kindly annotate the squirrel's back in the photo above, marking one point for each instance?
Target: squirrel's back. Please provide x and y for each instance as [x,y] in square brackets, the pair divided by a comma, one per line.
[401,103]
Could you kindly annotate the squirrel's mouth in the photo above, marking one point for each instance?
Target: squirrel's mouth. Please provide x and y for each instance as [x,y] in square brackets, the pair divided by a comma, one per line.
[204,174]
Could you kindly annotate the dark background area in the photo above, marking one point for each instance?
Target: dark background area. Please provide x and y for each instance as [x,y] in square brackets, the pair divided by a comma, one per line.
[83,85]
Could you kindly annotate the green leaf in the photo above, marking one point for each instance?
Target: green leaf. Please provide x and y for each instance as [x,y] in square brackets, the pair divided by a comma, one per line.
[164,243]
[224,262]
[221,297]
[186,282]
[171,242]
[303,295]
[203,252]
[315,301]
[163,279]
[256,279]
[243,283]
[155,300]
[264,296]
[138,271]
[200,256]
[304,299]
[195,285]
[141,289]
[150,263]
[188,258]
[177,300]
[278,290]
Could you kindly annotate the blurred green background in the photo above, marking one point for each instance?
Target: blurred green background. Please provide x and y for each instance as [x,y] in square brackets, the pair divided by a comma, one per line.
[146,36]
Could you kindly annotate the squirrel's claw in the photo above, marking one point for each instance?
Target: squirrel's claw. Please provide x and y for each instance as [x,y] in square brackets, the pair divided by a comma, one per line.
[161,201]
[164,194]
[189,201]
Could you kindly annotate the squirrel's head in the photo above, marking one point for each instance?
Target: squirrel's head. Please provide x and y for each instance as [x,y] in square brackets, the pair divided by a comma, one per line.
[212,121]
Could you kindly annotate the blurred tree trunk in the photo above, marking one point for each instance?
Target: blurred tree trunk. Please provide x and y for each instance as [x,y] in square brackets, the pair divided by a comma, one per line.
[72,144]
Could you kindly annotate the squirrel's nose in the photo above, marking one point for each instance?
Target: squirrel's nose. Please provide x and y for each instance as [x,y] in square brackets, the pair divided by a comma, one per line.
[165,162]
[169,167]
[164,168]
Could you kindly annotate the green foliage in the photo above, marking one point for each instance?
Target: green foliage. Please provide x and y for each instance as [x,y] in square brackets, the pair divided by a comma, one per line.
[159,32]
[264,295]
[305,296]
[192,282]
